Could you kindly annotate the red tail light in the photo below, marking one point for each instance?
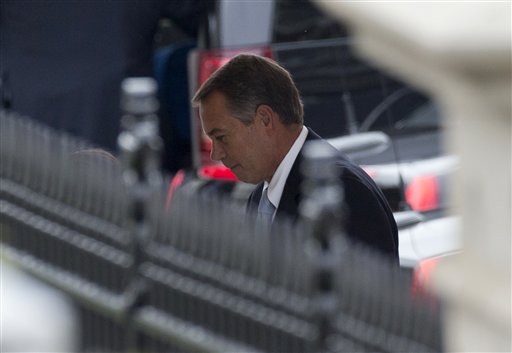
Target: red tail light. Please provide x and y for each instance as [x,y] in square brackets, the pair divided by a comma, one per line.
[422,279]
[422,193]
[217,172]
[423,273]
[209,62]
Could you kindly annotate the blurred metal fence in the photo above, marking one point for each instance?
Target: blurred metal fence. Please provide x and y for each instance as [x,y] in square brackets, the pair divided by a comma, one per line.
[200,275]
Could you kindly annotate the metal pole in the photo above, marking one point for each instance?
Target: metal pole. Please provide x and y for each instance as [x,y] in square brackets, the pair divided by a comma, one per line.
[321,211]
[140,146]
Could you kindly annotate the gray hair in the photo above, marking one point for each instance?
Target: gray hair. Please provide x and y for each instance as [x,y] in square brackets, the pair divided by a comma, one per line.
[247,81]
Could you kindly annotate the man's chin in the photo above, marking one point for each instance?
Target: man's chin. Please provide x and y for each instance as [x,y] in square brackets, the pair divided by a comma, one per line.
[249,180]
[244,178]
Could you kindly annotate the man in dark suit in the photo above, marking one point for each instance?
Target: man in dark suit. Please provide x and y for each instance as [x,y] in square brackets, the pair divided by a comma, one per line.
[251,109]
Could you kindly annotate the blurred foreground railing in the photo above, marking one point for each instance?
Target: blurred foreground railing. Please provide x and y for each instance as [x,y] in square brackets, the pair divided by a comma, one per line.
[208,277]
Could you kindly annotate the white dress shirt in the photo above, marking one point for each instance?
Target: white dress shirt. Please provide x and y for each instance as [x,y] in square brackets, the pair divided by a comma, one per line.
[276,185]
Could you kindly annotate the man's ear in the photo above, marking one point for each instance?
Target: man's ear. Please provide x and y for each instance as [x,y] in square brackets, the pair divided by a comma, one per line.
[266,115]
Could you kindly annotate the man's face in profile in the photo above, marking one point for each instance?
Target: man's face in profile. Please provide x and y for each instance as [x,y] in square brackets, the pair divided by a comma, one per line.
[240,147]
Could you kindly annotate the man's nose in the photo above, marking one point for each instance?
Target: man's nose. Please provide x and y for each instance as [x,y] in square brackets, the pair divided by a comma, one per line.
[217,153]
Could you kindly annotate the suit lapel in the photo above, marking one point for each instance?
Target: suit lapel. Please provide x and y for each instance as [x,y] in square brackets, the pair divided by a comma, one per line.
[291,198]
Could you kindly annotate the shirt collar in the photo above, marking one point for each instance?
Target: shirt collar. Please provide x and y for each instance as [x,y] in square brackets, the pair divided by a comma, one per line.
[278,181]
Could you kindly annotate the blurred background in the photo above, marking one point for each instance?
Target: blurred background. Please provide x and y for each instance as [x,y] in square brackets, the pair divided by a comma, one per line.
[89,235]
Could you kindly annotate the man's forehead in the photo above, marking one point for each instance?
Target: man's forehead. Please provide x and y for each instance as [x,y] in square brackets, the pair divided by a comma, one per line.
[215,123]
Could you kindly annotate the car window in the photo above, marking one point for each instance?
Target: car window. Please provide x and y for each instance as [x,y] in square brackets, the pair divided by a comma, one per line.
[424,117]
[401,112]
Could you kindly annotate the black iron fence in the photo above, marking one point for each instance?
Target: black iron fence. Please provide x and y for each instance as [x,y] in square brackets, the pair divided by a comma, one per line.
[196,275]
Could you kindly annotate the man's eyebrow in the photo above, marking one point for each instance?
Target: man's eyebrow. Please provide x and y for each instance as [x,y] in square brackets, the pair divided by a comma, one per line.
[215,131]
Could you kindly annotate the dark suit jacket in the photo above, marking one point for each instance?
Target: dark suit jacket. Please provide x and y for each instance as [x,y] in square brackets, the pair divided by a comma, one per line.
[368,218]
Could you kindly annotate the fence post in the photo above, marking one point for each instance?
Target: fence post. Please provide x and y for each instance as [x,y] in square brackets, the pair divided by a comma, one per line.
[140,146]
[321,212]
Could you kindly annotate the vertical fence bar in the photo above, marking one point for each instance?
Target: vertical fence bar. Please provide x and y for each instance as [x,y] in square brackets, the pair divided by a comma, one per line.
[140,145]
[321,211]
